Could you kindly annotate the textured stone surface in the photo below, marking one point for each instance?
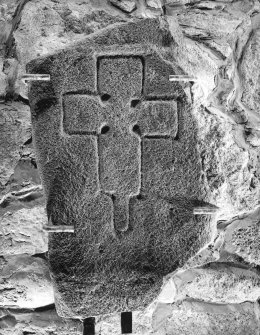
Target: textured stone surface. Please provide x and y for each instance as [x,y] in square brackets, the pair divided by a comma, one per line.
[143,132]
[44,322]
[15,130]
[230,170]
[154,3]
[126,5]
[47,26]
[25,196]
[189,317]
[25,282]
[198,318]
[21,232]
[213,282]
[215,41]
[241,237]
[7,10]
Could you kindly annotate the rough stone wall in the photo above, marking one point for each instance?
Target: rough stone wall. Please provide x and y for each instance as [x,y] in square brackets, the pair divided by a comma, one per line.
[215,292]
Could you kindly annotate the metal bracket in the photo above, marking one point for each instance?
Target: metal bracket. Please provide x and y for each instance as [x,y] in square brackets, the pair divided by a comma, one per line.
[35,77]
[50,228]
[182,77]
[205,210]
[58,229]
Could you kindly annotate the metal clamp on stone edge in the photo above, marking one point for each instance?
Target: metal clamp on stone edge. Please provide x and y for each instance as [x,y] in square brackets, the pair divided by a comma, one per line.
[59,229]
[205,210]
[35,77]
[182,77]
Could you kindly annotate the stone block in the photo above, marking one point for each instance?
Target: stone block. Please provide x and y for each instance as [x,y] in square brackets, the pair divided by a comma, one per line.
[214,282]
[118,159]
[240,237]
[21,232]
[125,5]
[15,130]
[25,282]
[200,318]
[38,321]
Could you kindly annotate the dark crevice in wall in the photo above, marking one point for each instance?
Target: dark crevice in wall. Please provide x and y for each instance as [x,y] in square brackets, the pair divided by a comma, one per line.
[29,141]
[23,100]
[15,311]
[43,255]
[45,308]
[33,162]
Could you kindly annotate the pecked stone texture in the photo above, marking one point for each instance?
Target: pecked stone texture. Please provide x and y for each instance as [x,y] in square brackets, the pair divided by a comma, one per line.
[47,26]
[215,41]
[124,112]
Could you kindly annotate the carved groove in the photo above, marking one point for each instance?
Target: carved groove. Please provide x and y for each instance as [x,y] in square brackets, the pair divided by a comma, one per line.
[134,103]
[102,130]
[180,120]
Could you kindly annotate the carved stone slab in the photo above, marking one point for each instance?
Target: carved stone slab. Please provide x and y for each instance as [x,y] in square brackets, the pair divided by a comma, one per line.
[116,143]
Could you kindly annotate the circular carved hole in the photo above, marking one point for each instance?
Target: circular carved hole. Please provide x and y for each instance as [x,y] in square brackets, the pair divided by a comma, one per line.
[101,249]
[104,129]
[105,97]
[134,103]
[137,130]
